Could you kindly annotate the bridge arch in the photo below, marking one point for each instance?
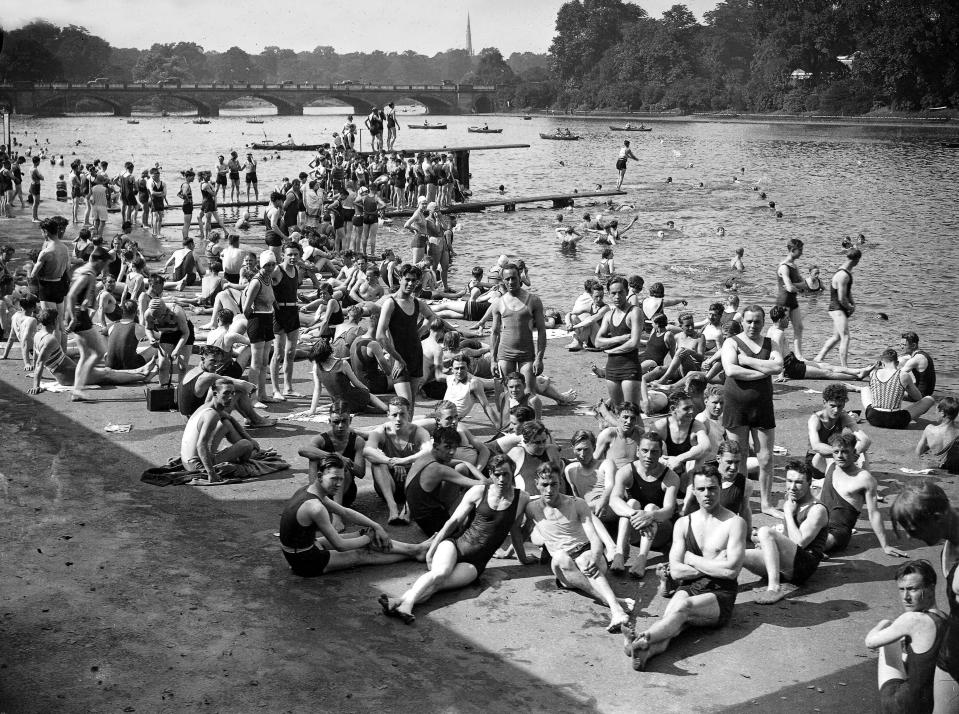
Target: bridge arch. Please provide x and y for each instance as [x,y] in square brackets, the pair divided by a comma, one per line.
[483,104]
[60,104]
[432,104]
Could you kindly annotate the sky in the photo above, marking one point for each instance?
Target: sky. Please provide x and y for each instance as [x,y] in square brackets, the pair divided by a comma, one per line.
[425,26]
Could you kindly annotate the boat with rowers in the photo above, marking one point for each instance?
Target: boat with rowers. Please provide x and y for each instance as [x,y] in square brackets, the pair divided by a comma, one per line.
[201,121]
[483,130]
[560,135]
[254,120]
[287,145]
[630,127]
[426,125]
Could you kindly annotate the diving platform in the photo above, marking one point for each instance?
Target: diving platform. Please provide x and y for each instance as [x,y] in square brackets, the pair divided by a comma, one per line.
[558,200]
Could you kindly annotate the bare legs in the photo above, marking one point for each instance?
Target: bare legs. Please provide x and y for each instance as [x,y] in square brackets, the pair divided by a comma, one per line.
[91,351]
[259,366]
[840,336]
[445,573]
[763,439]
[284,350]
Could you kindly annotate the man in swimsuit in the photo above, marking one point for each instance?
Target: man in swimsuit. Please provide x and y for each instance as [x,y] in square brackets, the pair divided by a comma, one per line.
[919,362]
[564,526]
[845,489]
[704,562]
[340,439]
[889,384]
[841,307]
[791,285]
[790,552]
[795,368]
[215,363]
[624,153]
[749,361]
[50,270]
[172,334]
[433,485]
[909,646]
[940,440]
[832,419]
[208,426]
[398,333]
[79,304]
[465,390]
[534,449]
[684,438]
[644,497]
[391,449]
[516,314]
[614,448]
[286,318]
[392,126]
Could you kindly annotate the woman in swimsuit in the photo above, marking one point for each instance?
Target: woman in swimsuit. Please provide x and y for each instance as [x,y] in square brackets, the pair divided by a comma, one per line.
[492,512]
[654,304]
[341,383]
[841,308]
[791,284]
[49,355]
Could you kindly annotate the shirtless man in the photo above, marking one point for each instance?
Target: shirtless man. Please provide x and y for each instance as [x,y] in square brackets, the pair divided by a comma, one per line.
[687,349]
[790,552]
[644,497]
[79,304]
[185,266]
[208,426]
[434,485]
[391,449]
[832,419]
[564,525]
[841,307]
[516,314]
[195,388]
[368,291]
[171,333]
[844,491]
[465,390]
[624,153]
[397,332]
[919,362]
[704,563]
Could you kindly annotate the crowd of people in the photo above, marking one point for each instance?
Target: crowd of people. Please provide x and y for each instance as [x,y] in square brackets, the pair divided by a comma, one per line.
[688,419]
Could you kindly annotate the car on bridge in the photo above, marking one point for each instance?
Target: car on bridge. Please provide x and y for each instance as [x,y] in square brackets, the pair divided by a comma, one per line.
[169,82]
[287,83]
[98,80]
[345,83]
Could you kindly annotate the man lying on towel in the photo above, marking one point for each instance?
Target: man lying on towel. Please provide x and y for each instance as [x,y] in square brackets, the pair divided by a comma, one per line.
[208,426]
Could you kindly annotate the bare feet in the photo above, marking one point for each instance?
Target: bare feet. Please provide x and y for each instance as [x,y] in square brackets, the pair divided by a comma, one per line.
[277,397]
[574,346]
[568,397]
[616,622]
[79,396]
[288,392]
[618,564]
[640,652]
[638,569]
[667,586]
[770,596]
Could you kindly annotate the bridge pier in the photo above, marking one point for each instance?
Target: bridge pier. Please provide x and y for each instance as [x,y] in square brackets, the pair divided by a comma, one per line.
[289,110]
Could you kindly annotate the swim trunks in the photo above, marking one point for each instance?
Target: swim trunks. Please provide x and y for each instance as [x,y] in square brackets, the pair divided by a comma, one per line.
[286,319]
[794,368]
[897,419]
[81,320]
[260,327]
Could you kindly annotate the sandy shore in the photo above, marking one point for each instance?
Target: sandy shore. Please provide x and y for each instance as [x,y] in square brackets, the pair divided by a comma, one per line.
[120,596]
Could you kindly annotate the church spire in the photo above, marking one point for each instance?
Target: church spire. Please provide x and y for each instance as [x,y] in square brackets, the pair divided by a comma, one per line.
[469,36]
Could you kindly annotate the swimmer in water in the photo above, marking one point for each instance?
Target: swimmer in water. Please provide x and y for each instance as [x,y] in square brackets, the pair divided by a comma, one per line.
[720,231]
[736,262]
[502,189]
[670,225]
[569,238]
[779,214]
[762,195]
[669,179]
[772,204]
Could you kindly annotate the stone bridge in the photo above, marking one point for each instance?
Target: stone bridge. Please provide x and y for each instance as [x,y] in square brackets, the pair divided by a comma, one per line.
[289,98]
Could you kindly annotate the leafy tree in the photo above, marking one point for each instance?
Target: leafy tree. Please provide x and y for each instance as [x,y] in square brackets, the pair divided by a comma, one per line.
[584,30]
[492,68]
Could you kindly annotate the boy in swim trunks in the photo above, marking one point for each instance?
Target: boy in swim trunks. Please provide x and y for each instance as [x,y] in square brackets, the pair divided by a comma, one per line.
[79,304]
[516,314]
[832,419]
[711,538]
[940,440]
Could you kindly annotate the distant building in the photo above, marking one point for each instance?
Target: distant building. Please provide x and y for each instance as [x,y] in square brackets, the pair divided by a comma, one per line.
[799,75]
[847,59]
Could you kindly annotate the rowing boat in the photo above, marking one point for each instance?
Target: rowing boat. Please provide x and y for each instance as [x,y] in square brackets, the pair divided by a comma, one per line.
[426,126]
[560,137]
[630,128]
[483,130]
[286,146]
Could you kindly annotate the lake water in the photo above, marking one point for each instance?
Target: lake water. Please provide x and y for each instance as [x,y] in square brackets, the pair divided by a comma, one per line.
[897,186]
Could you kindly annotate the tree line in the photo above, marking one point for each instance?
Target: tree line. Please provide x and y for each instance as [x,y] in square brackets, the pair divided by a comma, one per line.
[44,52]
[899,54]
[743,56]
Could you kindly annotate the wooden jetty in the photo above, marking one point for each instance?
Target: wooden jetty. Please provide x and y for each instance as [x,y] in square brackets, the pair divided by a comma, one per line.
[558,200]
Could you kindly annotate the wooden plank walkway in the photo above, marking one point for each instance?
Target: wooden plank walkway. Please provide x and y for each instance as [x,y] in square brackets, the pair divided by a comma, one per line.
[449,149]
[559,200]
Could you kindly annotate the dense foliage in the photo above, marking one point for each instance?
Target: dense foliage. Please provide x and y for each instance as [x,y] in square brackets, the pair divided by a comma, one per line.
[605,54]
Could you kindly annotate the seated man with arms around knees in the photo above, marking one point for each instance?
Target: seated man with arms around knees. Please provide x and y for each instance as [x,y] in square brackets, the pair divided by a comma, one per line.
[208,426]
[564,525]
[340,439]
[391,450]
[309,511]
[471,450]
[792,552]
[833,419]
[909,645]
[644,498]
[433,486]
[704,563]
[844,491]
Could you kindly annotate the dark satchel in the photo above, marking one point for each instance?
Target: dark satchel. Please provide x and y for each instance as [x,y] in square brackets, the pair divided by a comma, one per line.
[161,398]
